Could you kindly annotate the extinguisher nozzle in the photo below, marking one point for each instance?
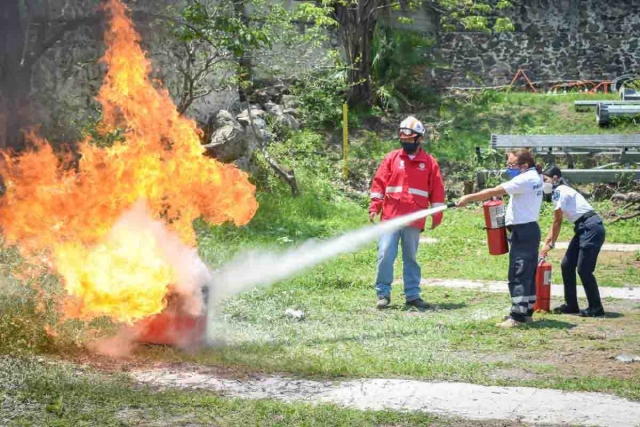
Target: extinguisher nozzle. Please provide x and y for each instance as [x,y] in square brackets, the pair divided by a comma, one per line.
[451,205]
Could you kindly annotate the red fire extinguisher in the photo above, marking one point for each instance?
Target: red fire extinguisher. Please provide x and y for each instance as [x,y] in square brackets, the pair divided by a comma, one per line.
[494,224]
[543,286]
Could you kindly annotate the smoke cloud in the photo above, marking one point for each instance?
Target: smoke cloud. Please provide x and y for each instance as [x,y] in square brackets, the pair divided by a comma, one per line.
[263,268]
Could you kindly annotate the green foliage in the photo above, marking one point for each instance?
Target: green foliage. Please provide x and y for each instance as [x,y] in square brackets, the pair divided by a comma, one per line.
[475,15]
[234,38]
[399,59]
[222,27]
[321,96]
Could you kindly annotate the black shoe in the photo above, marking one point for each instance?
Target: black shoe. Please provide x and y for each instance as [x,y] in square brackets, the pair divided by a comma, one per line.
[383,302]
[592,312]
[419,304]
[566,309]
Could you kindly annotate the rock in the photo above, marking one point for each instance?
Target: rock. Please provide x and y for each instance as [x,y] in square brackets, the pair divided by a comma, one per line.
[627,358]
[292,112]
[243,117]
[228,141]
[222,118]
[295,314]
[259,97]
[227,144]
[291,121]
[290,101]
[274,109]
[259,124]
[274,91]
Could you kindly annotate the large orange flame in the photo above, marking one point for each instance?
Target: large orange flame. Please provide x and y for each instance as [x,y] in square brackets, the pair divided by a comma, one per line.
[69,211]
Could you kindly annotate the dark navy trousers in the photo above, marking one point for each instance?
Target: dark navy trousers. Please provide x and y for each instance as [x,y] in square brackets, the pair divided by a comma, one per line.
[582,256]
[523,262]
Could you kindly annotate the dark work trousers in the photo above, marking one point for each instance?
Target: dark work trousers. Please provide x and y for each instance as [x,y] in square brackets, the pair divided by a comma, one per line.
[582,255]
[523,262]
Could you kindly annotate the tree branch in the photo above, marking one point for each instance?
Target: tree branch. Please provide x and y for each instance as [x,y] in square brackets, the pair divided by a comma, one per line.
[288,177]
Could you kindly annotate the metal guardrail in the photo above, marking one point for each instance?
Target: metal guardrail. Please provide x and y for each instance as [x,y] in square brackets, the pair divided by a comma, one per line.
[629,94]
[592,142]
[587,105]
[578,176]
[622,148]
[604,112]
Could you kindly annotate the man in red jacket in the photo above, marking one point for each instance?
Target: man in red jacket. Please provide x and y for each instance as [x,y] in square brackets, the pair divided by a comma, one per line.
[408,180]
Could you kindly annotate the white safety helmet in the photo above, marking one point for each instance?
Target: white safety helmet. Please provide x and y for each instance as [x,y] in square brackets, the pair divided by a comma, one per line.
[410,126]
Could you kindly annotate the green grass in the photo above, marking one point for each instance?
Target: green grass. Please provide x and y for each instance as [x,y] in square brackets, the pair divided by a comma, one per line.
[515,113]
[49,393]
[461,250]
[343,335]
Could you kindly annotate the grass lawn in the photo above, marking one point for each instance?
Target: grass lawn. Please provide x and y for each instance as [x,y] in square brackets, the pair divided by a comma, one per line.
[343,335]
[50,393]
[460,252]
[515,113]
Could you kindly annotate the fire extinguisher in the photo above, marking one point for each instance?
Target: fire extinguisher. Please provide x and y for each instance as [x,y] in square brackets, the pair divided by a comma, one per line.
[494,224]
[543,286]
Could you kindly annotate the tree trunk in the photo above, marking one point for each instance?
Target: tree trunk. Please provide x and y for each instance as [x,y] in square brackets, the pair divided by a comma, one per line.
[245,67]
[357,26]
[15,77]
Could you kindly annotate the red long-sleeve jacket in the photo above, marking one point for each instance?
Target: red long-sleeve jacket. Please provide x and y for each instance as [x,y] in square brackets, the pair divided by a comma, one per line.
[403,186]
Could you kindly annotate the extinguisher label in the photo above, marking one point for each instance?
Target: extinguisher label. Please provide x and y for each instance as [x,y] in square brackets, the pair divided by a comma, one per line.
[547,277]
[496,214]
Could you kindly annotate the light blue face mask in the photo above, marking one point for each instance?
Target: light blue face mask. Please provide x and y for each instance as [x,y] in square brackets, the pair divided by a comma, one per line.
[513,172]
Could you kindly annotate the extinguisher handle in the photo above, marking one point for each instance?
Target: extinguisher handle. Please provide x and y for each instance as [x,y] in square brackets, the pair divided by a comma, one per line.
[451,205]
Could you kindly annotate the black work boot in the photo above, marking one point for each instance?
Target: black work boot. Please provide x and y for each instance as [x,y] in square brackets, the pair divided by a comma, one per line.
[419,304]
[566,309]
[592,312]
[383,302]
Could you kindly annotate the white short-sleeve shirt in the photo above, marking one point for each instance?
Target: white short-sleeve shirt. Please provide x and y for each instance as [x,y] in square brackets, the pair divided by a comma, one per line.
[571,202]
[526,198]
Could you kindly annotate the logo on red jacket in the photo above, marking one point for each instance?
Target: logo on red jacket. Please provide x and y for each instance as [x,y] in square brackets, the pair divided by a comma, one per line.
[401,166]
[421,166]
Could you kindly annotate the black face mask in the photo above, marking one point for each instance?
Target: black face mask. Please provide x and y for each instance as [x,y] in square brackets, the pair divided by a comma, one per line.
[410,147]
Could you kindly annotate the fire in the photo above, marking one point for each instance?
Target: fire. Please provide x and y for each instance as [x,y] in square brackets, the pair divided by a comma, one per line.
[70,210]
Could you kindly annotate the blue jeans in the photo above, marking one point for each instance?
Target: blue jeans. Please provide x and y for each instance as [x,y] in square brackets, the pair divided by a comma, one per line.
[387,253]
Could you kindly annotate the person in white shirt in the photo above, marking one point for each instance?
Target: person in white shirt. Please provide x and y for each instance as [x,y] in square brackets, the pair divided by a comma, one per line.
[582,254]
[521,219]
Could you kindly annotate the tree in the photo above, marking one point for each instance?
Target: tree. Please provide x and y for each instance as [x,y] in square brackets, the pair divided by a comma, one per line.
[358,20]
[28,29]
[243,35]
[249,34]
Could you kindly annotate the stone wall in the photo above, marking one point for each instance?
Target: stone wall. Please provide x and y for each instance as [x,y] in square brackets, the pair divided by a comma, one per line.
[554,39]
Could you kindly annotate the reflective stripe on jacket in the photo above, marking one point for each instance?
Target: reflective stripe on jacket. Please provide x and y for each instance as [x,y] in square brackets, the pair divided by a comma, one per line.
[403,185]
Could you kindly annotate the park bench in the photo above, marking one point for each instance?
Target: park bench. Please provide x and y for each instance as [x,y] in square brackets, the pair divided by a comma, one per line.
[623,149]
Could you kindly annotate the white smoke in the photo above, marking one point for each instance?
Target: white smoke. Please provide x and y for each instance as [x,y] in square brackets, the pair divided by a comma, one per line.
[263,268]
[248,270]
